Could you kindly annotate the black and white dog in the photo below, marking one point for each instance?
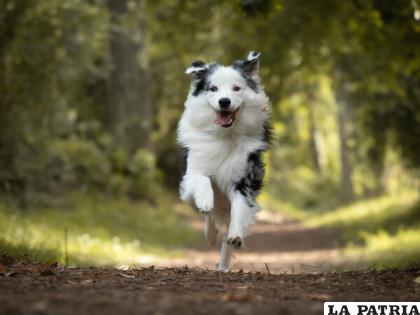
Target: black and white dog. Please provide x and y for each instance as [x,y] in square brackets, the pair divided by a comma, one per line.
[223,132]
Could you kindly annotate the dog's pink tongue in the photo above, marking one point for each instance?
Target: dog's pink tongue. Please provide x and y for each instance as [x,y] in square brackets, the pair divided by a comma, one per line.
[223,118]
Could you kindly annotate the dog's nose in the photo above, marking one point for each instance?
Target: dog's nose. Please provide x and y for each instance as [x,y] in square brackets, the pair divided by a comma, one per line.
[224,102]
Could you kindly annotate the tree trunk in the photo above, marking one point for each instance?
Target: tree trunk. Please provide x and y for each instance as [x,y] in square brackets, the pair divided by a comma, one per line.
[347,192]
[9,119]
[377,152]
[129,99]
[313,144]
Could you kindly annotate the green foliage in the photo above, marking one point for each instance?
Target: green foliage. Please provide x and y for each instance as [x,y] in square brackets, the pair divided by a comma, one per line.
[91,92]
[383,232]
[388,212]
[380,232]
[74,162]
[101,230]
[135,175]
[143,166]
[304,188]
[385,250]
[50,51]
[77,163]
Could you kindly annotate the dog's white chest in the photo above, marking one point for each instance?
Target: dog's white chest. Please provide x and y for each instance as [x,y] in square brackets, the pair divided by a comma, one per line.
[224,160]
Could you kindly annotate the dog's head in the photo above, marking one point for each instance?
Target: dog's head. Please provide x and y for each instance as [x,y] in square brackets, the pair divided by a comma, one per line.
[227,90]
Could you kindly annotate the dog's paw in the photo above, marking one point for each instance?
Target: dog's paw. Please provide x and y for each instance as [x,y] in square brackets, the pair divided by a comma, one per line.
[204,199]
[235,241]
[221,268]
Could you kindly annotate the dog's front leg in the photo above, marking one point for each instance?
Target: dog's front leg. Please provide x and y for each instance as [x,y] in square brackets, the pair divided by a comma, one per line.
[196,189]
[225,252]
[242,215]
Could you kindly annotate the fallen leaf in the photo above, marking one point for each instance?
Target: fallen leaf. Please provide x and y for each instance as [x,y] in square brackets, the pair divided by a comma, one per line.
[10,274]
[123,267]
[244,287]
[127,276]
[150,288]
[18,264]
[87,281]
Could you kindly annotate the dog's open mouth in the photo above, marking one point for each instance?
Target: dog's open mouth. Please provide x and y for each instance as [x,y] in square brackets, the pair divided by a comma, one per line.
[226,118]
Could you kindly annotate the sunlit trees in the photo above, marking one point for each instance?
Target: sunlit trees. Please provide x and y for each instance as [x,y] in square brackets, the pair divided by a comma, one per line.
[105,80]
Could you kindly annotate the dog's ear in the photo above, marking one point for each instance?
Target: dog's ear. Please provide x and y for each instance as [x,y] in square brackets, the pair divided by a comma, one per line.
[250,65]
[197,69]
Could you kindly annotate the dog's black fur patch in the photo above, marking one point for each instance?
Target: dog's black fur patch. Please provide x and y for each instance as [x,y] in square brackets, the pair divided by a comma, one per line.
[268,133]
[252,181]
[202,76]
[252,84]
[200,87]
[184,163]
[198,63]
[240,66]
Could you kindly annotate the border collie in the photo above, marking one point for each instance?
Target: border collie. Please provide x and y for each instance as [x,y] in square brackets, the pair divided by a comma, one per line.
[223,132]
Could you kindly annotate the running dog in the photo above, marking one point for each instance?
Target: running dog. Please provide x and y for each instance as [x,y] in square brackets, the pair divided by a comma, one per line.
[223,132]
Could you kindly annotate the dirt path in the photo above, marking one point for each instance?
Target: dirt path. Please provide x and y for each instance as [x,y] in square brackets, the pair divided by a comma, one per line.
[286,247]
[183,291]
[276,243]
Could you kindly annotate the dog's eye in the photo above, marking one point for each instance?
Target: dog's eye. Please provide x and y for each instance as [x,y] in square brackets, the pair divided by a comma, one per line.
[213,88]
[236,88]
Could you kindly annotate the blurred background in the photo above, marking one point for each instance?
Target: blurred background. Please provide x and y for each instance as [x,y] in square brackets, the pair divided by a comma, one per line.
[91,92]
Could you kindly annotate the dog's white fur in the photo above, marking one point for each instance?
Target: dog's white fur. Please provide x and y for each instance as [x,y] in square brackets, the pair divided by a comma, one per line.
[217,156]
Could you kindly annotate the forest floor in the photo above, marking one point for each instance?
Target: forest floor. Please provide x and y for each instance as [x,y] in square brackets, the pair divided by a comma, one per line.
[286,268]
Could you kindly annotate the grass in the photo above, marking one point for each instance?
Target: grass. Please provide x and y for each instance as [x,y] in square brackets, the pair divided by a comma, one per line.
[101,230]
[390,213]
[384,250]
[383,232]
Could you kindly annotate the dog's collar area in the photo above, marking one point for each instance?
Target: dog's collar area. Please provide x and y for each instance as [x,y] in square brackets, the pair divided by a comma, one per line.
[225,118]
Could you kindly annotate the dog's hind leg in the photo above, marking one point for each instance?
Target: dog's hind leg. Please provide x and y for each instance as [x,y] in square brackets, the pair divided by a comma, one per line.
[225,253]
[210,229]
